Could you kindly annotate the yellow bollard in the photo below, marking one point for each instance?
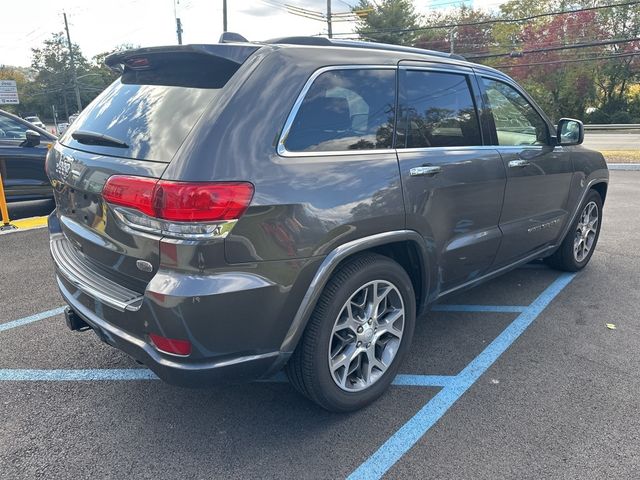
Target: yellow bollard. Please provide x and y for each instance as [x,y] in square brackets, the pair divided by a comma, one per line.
[3,207]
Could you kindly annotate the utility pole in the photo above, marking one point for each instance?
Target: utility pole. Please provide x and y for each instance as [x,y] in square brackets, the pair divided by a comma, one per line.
[329,30]
[178,22]
[179,30]
[55,118]
[224,15]
[73,64]
[452,40]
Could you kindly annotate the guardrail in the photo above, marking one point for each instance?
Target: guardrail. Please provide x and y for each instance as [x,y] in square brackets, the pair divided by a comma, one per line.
[613,126]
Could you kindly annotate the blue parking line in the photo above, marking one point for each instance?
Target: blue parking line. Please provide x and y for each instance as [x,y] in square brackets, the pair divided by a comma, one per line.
[92,374]
[407,436]
[404,380]
[31,318]
[444,307]
[102,374]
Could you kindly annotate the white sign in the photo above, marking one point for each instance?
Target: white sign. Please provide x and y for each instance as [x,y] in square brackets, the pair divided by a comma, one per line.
[8,92]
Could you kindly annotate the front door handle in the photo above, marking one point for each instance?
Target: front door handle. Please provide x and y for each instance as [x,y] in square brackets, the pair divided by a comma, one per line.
[519,163]
[420,171]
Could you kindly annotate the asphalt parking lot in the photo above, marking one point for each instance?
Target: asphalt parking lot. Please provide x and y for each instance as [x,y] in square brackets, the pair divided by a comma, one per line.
[518,378]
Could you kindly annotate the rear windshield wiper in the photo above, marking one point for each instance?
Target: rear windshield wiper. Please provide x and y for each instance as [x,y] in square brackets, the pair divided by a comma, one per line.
[93,138]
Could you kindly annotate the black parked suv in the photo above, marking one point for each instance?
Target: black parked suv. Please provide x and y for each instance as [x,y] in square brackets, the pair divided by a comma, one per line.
[227,210]
[23,149]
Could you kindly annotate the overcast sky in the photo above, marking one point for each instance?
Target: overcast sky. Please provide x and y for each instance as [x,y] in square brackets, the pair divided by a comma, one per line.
[99,26]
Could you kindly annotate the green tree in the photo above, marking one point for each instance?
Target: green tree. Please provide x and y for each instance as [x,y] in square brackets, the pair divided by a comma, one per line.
[616,75]
[388,21]
[53,82]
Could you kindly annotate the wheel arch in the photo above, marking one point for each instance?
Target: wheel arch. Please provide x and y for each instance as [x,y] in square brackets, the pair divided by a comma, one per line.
[601,188]
[407,247]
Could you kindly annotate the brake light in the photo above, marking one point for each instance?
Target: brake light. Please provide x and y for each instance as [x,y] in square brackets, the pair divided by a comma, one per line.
[138,63]
[177,208]
[171,345]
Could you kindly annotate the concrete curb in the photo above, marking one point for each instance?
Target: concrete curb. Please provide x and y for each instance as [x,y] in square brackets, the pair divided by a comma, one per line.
[623,166]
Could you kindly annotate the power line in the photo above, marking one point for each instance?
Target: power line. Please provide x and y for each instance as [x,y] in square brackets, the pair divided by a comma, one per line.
[496,20]
[570,60]
[555,49]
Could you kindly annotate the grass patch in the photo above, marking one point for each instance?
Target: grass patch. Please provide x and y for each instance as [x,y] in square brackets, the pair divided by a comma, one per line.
[622,156]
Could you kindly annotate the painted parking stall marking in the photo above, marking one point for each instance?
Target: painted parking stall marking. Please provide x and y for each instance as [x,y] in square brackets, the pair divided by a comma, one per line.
[452,387]
[31,318]
[400,442]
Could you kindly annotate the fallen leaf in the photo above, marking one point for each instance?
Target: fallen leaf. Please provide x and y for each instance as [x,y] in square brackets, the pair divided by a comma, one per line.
[611,326]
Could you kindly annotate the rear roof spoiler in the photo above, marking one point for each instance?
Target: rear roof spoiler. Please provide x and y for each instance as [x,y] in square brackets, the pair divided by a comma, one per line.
[235,53]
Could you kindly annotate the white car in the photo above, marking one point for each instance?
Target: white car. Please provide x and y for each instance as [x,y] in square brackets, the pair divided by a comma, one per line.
[36,121]
[62,127]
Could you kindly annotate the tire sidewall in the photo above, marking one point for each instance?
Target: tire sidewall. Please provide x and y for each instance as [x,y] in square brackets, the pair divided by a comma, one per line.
[382,269]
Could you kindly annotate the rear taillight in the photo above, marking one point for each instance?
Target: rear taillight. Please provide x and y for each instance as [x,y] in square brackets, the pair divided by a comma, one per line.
[179,209]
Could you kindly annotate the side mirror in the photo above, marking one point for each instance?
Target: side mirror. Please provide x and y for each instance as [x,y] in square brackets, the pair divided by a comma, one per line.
[32,138]
[570,132]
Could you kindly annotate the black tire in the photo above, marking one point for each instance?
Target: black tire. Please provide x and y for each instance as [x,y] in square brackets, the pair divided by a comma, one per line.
[308,369]
[564,258]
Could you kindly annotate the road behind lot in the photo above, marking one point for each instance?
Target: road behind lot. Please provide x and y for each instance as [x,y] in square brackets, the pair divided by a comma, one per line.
[561,402]
[626,140]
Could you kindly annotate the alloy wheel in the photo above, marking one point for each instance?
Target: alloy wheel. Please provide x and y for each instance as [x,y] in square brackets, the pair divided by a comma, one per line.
[366,335]
[586,231]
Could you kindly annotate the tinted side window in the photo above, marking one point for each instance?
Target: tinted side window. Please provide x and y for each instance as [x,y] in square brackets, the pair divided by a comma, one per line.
[517,122]
[438,111]
[345,110]
[12,130]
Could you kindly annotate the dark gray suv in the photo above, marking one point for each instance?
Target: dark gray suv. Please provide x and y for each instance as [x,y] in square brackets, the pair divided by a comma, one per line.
[224,211]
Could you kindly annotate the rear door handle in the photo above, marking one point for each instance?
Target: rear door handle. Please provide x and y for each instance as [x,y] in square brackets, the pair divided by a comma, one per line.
[519,163]
[420,171]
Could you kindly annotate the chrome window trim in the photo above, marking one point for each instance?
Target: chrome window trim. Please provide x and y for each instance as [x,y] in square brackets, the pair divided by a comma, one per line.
[460,71]
[447,149]
[282,150]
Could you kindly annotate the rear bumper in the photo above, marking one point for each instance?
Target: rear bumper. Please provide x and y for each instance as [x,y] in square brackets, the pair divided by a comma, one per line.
[235,321]
[177,372]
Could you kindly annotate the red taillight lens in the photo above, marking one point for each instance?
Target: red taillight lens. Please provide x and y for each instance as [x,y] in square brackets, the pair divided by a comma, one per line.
[132,192]
[171,345]
[194,202]
[179,201]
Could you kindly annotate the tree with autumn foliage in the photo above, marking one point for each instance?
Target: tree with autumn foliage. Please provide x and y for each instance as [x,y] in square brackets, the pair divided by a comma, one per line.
[564,89]
[565,81]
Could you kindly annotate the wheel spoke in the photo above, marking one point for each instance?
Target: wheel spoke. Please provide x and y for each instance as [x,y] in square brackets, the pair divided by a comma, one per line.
[373,363]
[388,324]
[380,299]
[344,358]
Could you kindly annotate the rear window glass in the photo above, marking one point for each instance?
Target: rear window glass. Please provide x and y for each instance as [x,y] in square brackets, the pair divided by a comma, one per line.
[153,110]
[345,110]
[438,111]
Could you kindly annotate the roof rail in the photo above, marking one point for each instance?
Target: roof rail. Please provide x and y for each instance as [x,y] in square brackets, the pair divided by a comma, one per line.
[328,42]
[314,41]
